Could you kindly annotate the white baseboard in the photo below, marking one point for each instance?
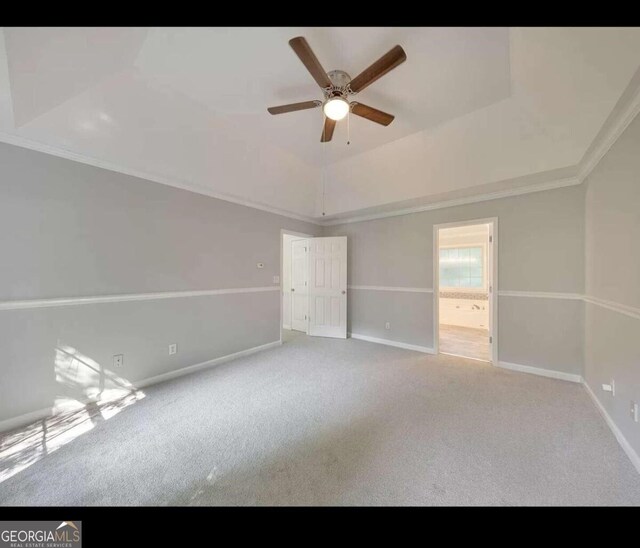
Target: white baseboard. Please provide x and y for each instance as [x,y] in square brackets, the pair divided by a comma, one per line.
[22,420]
[287,326]
[33,416]
[626,446]
[204,365]
[406,346]
[572,377]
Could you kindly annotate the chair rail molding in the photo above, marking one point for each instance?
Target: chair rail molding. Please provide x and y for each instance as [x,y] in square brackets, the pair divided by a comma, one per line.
[75,301]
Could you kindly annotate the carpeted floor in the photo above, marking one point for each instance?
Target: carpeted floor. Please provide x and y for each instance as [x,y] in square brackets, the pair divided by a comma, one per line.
[338,422]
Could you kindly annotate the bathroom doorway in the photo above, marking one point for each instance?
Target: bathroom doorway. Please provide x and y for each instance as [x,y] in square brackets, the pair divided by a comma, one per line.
[464,280]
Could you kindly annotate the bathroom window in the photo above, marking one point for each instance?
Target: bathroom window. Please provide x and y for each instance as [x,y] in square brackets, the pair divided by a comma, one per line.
[462,267]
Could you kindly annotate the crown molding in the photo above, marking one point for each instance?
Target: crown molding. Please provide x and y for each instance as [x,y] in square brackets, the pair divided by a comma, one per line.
[613,128]
[549,185]
[627,108]
[619,119]
[30,144]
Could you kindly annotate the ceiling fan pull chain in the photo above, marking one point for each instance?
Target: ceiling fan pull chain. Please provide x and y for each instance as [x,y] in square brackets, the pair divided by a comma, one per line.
[349,126]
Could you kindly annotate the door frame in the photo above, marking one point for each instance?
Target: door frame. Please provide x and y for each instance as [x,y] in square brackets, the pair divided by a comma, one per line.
[493,294]
[284,231]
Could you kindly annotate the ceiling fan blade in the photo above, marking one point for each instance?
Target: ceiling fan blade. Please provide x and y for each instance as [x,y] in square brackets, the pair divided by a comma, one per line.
[293,107]
[309,60]
[327,130]
[372,114]
[387,62]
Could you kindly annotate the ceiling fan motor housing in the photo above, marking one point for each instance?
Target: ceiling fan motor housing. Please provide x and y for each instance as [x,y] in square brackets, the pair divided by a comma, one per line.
[339,78]
[339,85]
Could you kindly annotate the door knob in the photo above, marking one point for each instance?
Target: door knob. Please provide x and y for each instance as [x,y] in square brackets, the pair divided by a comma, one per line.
[343,291]
[292,289]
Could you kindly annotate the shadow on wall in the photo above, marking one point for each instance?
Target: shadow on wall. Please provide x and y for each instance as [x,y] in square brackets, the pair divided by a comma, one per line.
[89,394]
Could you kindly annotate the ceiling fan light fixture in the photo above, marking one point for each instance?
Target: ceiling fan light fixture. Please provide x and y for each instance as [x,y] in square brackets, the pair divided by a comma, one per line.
[336,108]
[337,85]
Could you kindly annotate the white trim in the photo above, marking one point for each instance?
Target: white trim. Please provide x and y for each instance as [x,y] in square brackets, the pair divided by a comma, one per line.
[285,326]
[103,164]
[471,222]
[21,420]
[550,185]
[300,235]
[626,446]
[465,357]
[551,373]
[540,295]
[74,301]
[391,288]
[492,260]
[204,365]
[589,161]
[493,254]
[627,310]
[284,231]
[597,151]
[406,346]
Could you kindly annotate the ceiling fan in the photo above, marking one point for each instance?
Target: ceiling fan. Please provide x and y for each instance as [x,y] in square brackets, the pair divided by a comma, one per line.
[337,86]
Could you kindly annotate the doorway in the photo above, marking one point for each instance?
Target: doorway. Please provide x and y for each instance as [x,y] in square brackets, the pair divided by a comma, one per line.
[465,311]
[314,285]
[295,278]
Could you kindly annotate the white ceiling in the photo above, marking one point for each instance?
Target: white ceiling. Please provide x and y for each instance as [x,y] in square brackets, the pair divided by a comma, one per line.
[473,106]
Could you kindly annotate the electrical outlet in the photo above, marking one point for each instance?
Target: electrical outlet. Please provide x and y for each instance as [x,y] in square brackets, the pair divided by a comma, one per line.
[173,349]
[634,411]
[276,279]
[387,325]
[610,387]
[118,360]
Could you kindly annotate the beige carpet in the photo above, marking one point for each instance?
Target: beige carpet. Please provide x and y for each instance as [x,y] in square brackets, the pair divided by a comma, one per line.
[341,422]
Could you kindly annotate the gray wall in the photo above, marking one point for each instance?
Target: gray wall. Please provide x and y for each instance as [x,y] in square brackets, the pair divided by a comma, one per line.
[541,248]
[612,339]
[72,230]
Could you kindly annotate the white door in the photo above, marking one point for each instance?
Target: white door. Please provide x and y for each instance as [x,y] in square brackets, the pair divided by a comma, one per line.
[328,287]
[299,285]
